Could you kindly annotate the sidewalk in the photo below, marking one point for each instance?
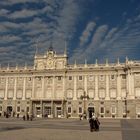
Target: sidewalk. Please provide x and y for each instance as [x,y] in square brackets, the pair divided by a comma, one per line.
[59,134]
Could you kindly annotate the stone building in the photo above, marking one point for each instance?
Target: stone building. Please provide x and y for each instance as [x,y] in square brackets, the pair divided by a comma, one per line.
[53,88]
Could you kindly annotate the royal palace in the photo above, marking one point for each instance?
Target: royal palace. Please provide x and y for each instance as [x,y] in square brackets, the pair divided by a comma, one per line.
[56,89]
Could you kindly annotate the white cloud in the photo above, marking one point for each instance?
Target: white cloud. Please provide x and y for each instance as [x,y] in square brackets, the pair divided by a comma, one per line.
[24,13]
[9,2]
[3,12]
[9,39]
[87,33]
[98,36]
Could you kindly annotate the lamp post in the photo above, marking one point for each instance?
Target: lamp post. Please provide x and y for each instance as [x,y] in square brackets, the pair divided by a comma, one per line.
[84,97]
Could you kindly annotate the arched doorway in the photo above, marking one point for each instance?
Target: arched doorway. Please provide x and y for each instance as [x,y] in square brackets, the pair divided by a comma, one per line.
[90,109]
[9,110]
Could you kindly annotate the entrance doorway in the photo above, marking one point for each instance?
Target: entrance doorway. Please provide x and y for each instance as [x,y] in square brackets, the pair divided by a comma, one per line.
[38,111]
[9,110]
[58,112]
[47,111]
[90,111]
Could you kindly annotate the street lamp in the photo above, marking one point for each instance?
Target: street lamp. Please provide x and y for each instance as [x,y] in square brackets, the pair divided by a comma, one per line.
[84,97]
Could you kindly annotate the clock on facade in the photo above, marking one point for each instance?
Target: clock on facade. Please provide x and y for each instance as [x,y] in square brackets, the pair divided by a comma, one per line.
[50,63]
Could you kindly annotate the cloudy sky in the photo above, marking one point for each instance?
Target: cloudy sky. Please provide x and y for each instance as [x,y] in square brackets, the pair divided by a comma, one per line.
[91,29]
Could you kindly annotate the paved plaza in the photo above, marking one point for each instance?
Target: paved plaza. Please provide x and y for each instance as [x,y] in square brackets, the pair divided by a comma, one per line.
[68,129]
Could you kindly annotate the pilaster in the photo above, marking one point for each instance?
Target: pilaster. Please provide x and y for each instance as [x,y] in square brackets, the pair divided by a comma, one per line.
[24,88]
[53,87]
[75,88]
[118,87]
[96,87]
[107,88]
[43,82]
[33,87]
[85,84]
[6,89]
[15,88]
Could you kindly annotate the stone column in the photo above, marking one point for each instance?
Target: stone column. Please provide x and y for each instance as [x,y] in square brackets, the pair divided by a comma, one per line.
[53,88]
[43,82]
[118,87]
[129,84]
[85,84]
[6,89]
[64,87]
[75,88]
[107,88]
[96,88]
[33,87]
[15,88]
[132,86]
[24,88]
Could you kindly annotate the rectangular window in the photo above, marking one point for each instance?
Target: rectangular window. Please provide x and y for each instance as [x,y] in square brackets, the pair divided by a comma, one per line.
[113,110]
[59,78]
[27,109]
[138,110]
[69,110]
[124,109]
[102,110]
[90,78]
[18,108]
[101,78]
[80,77]
[123,76]
[70,77]
[112,77]
[80,110]
[0,108]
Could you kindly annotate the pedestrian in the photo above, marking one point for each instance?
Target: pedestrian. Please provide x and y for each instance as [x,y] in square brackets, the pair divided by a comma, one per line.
[27,117]
[97,124]
[91,121]
[23,117]
[18,115]
[31,117]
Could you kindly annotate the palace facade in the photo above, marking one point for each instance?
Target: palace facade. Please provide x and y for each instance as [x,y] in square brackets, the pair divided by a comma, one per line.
[53,88]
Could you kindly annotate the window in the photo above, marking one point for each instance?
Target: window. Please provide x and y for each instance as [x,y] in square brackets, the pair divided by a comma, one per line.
[123,92]
[137,92]
[101,78]
[102,93]
[112,77]
[123,76]
[1,93]
[18,108]
[90,78]
[124,110]
[138,110]
[80,110]
[69,94]
[28,93]
[27,109]
[102,110]
[69,103]
[10,93]
[113,93]
[59,78]
[80,93]
[80,77]
[70,77]
[113,110]
[19,93]
[0,108]
[69,110]
[91,94]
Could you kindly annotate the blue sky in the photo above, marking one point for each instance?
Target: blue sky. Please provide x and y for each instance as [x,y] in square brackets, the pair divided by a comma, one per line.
[92,29]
